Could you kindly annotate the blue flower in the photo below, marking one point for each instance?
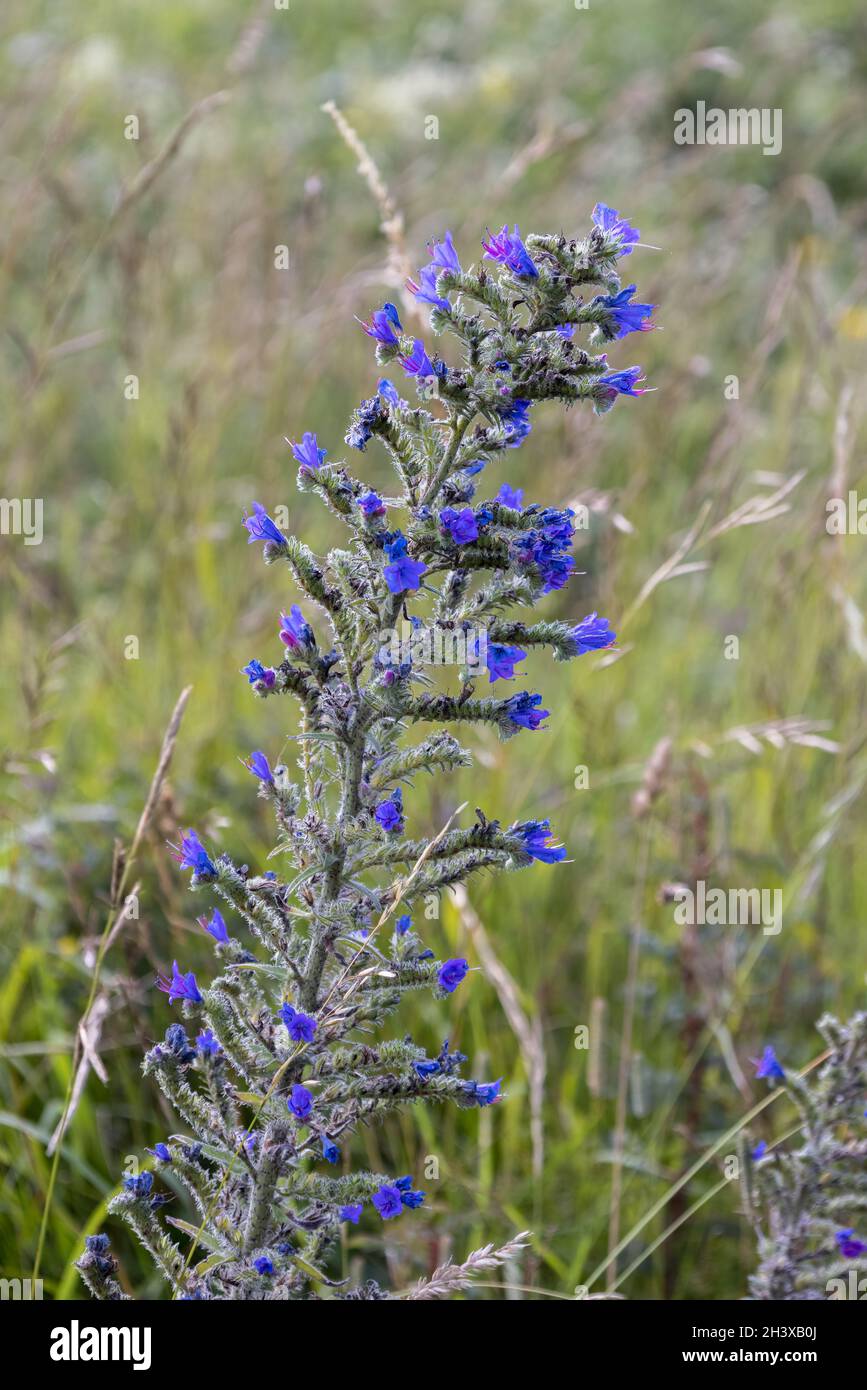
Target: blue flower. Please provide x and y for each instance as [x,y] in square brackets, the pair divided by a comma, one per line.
[263,1265]
[511,497]
[535,834]
[759,1151]
[387,1201]
[516,422]
[258,764]
[207,1043]
[508,248]
[381,325]
[295,631]
[767,1066]
[425,288]
[255,672]
[371,505]
[330,1151]
[191,854]
[300,1102]
[522,709]
[417,362]
[426,1068]
[483,1092]
[216,927]
[389,814]
[501,660]
[627,318]
[97,1245]
[180,986]
[308,453]
[623,383]
[592,634]
[850,1247]
[609,220]
[451,973]
[388,391]
[139,1185]
[401,573]
[351,1213]
[300,1027]
[403,924]
[161,1152]
[407,1196]
[261,527]
[461,525]
[178,1044]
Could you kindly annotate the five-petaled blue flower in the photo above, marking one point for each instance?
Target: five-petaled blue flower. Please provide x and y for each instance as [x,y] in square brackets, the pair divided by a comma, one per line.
[140,1184]
[261,527]
[511,497]
[516,422]
[191,854]
[389,814]
[308,453]
[371,505]
[352,1212]
[180,986]
[451,973]
[263,1265]
[401,573]
[623,383]
[207,1043]
[501,660]
[407,1196]
[508,248]
[403,924]
[609,220]
[484,1092]
[627,318]
[300,1027]
[381,325]
[295,631]
[300,1101]
[216,927]
[523,710]
[330,1151]
[387,1201]
[255,672]
[161,1152]
[767,1066]
[592,634]
[850,1246]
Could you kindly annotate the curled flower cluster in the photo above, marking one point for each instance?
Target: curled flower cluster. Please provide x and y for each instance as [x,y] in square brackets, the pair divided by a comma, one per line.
[283,1068]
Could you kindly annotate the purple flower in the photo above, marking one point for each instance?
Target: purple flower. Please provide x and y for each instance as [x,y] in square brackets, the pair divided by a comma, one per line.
[451,973]
[389,814]
[565,330]
[216,927]
[308,453]
[300,1102]
[426,1068]
[461,525]
[767,1066]
[180,986]
[207,1043]
[609,220]
[381,325]
[759,1151]
[511,497]
[535,834]
[330,1151]
[622,383]
[508,248]
[523,710]
[443,257]
[261,527]
[401,573]
[351,1213]
[403,924]
[191,854]
[263,1265]
[300,1027]
[255,672]
[850,1246]
[295,631]
[484,1092]
[258,764]
[161,1152]
[388,1201]
[592,634]
[417,362]
[501,661]
[628,318]
[371,505]
[140,1184]
[425,288]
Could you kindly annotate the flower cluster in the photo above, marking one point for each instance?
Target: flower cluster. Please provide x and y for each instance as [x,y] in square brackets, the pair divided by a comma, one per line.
[279,1069]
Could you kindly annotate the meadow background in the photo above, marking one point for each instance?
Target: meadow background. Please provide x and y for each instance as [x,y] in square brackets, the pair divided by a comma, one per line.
[155,257]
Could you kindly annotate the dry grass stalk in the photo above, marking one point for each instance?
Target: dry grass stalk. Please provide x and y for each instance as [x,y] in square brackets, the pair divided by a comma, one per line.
[450,1278]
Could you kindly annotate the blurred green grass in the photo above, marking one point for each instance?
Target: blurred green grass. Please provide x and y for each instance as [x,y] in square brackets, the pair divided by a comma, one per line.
[542,110]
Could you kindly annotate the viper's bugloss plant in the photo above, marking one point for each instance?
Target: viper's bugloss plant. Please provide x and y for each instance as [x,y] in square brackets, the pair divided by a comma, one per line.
[807,1200]
[282,1056]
